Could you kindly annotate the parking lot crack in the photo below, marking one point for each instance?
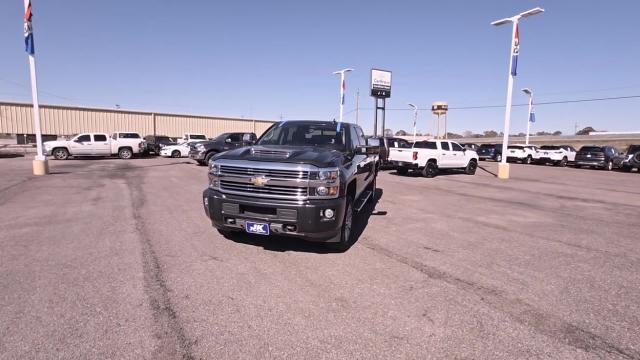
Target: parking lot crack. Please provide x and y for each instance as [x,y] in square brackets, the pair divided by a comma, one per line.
[172,341]
[520,311]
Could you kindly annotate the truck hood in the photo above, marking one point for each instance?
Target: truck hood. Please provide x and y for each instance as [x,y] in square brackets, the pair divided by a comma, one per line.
[316,156]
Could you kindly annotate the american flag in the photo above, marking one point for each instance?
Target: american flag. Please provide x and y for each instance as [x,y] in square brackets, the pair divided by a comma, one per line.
[516,50]
[28,30]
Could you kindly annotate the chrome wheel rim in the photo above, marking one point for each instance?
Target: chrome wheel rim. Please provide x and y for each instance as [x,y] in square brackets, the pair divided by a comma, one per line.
[60,155]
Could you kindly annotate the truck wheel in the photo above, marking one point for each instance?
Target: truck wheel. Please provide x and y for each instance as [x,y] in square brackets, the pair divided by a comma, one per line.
[176,154]
[208,158]
[344,237]
[125,153]
[609,166]
[402,171]
[60,154]
[498,157]
[563,162]
[430,170]
[471,167]
[527,160]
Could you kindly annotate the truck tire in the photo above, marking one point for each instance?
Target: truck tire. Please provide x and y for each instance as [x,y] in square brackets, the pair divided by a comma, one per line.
[608,166]
[498,158]
[208,158]
[60,153]
[430,170]
[402,171]
[176,154]
[125,153]
[527,160]
[344,237]
[563,162]
[471,167]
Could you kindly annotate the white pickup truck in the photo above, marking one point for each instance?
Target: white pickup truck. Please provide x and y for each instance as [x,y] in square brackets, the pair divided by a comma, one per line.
[122,144]
[189,137]
[429,157]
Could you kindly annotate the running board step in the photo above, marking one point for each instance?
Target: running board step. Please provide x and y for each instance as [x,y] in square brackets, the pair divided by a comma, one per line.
[362,201]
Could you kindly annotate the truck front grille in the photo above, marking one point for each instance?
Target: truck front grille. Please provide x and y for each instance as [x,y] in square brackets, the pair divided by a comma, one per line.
[270,191]
[269,173]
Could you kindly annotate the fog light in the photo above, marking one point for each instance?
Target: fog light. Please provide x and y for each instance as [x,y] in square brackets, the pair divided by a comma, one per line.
[322,191]
[289,228]
[231,221]
[329,213]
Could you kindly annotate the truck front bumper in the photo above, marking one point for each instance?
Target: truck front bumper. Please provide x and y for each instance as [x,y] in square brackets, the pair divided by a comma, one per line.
[302,219]
[197,154]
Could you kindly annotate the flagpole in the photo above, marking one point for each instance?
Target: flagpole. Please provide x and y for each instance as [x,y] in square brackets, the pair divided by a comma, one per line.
[529,118]
[40,164]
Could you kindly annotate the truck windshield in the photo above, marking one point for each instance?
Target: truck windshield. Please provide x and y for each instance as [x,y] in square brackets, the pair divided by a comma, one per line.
[329,135]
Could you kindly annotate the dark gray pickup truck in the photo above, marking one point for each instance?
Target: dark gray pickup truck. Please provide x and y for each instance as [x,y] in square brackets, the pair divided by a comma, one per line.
[203,151]
[304,179]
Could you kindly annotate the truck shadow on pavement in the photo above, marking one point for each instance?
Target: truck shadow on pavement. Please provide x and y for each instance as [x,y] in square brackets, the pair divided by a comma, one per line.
[283,243]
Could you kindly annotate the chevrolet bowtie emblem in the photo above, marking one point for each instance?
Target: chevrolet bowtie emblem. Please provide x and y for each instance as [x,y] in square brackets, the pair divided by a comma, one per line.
[259,180]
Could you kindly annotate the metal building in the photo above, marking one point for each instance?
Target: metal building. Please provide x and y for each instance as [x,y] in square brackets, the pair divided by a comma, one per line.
[17,119]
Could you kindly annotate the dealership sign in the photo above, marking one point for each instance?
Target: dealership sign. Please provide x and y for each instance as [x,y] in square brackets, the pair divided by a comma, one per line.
[380,83]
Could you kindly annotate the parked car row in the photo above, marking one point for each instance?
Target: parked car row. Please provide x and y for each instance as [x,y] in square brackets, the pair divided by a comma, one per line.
[594,156]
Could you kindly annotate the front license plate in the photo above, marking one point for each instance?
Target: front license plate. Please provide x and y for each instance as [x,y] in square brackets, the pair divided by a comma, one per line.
[257,228]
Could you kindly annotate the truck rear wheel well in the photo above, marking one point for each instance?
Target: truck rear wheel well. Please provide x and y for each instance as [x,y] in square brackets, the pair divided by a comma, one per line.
[435,161]
[125,147]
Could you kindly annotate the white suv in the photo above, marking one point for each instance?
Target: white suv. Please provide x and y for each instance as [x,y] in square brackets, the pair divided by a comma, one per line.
[559,155]
[526,154]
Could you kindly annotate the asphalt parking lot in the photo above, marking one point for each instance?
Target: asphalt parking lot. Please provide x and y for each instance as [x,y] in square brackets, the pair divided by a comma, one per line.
[116,259]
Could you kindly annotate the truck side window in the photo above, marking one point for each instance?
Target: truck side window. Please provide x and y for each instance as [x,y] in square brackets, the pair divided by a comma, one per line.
[361,137]
[456,147]
[445,145]
[99,137]
[355,141]
[235,138]
[84,138]
[114,136]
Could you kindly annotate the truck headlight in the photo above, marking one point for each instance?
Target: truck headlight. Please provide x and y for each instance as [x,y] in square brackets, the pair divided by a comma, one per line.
[214,168]
[214,173]
[327,190]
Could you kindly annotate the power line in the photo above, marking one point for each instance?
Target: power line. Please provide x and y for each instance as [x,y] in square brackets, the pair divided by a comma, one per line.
[523,104]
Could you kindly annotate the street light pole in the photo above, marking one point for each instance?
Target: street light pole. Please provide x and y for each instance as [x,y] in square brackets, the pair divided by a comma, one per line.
[415,119]
[342,89]
[503,167]
[530,93]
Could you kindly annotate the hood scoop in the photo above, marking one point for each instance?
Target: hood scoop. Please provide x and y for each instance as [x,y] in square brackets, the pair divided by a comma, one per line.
[270,153]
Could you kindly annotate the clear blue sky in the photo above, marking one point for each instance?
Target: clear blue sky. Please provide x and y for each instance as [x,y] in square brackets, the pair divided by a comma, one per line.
[265,59]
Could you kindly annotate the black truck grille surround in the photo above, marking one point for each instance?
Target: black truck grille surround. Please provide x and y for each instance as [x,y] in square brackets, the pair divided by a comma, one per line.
[290,184]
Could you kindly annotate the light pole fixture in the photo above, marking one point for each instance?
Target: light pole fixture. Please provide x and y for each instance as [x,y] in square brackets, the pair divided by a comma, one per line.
[503,167]
[531,118]
[342,88]
[415,119]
